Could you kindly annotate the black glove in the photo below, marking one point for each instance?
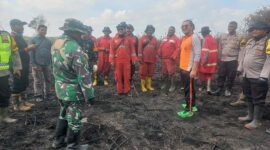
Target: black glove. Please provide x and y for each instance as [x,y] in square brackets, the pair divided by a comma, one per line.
[262,80]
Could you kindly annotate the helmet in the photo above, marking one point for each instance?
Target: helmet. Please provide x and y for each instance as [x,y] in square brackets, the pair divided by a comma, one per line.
[106,29]
[121,25]
[130,26]
[74,25]
[150,27]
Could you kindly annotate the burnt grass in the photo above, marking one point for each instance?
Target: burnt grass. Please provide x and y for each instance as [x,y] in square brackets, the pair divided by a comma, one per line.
[142,121]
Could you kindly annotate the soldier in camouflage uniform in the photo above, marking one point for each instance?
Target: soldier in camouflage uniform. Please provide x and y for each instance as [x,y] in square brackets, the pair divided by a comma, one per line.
[73,84]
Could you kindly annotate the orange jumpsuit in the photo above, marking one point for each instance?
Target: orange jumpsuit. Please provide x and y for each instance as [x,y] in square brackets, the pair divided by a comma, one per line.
[167,50]
[209,56]
[122,51]
[103,47]
[147,54]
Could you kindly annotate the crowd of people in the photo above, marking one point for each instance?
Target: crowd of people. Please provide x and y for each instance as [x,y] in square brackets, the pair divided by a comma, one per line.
[78,61]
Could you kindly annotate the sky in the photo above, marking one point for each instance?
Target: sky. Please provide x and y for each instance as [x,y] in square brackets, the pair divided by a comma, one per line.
[160,13]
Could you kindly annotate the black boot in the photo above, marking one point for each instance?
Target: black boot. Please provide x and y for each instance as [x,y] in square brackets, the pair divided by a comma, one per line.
[217,92]
[163,83]
[256,122]
[172,87]
[73,139]
[249,117]
[60,134]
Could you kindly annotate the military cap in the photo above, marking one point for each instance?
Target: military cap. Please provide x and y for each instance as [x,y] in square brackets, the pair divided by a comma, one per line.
[205,29]
[73,25]
[106,29]
[16,22]
[121,25]
[258,25]
[88,28]
[149,27]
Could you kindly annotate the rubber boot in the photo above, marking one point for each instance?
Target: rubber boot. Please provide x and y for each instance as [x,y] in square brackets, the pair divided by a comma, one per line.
[73,139]
[249,116]
[15,101]
[240,101]
[95,79]
[172,87]
[106,82]
[60,134]
[256,122]
[4,116]
[143,88]
[149,84]
[164,83]
[217,92]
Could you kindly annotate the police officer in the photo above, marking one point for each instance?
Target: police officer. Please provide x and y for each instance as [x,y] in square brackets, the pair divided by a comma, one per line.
[8,49]
[256,71]
[73,84]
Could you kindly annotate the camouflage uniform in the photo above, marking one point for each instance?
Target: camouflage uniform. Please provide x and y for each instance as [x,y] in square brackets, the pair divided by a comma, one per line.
[72,79]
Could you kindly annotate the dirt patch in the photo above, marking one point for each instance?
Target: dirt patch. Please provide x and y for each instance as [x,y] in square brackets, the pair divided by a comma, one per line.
[143,121]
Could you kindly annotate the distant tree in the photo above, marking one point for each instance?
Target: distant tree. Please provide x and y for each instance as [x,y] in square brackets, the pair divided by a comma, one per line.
[39,20]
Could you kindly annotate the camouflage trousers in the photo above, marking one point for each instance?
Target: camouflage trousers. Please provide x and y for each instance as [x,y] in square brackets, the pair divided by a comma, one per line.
[72,112]
[42,80]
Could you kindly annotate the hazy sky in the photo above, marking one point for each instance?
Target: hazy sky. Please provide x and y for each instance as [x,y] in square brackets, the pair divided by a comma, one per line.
[100,13]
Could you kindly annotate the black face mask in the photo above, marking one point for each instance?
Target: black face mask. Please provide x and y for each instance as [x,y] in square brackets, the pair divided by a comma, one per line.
[121,35]
[259,37]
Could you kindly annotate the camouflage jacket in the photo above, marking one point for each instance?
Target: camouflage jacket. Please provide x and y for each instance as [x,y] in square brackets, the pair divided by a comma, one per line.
[71,71]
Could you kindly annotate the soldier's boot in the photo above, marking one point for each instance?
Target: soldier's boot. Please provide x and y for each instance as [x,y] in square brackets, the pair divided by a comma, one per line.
[164,83]
[4,116]
[249,116]
[95,79]
[256,122]
[73,139]
[149,84]
[240,101]
[172,87]
[24,102]
[143,88]
[106,81]
[208,87]
[15,101]
[60,134]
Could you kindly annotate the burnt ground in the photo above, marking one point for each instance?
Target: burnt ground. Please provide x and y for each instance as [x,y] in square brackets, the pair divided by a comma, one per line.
[147,121]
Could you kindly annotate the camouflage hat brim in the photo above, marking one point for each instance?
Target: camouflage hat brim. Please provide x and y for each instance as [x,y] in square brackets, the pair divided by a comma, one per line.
[72,29]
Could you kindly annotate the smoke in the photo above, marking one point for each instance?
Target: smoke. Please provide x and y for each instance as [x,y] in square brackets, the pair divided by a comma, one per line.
[39,20]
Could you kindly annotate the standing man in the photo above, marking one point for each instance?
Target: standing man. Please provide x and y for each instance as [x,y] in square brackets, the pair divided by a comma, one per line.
[122,51]
[8,52]
[167,50]
[147,54]
[73,85]
[256,71]
[88,44]
[103,46]
[134,40]
[20,83]
[229,48]
[190,53]
[41,59]
[208,59]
